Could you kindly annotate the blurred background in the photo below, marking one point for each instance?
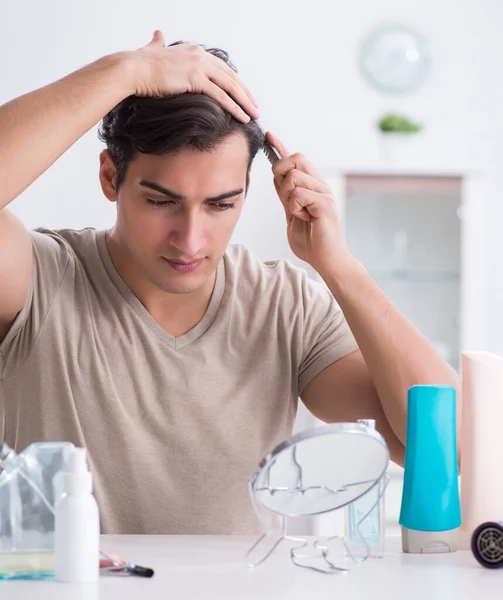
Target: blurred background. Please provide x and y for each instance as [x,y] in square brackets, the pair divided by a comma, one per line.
[397,103]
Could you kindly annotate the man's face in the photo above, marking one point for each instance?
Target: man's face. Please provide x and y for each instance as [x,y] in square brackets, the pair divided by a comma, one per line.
[176,212]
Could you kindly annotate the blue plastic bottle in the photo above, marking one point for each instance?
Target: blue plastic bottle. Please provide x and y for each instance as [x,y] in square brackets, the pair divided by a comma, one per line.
[430,515]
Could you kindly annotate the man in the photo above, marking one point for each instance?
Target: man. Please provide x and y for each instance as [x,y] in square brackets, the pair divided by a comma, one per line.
[176,359]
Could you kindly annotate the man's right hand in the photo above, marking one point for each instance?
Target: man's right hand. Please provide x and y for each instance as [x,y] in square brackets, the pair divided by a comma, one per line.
[163,71]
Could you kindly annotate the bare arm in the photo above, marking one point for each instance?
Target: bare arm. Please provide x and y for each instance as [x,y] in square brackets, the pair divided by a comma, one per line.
[15,268]
[397,354]
[345,392]
[394,356]
[37,128]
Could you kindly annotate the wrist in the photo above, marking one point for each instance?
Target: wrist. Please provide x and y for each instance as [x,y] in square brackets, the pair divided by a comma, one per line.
[123,67]
[340,274]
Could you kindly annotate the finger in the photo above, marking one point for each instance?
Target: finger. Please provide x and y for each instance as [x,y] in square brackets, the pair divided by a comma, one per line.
[278,144]
[305,204]
[298,179]
[288,216]
[222,65]
[225,101]
[281,150]
[295,182]
[229,85]
[289,161]
[295,161]
[157,39]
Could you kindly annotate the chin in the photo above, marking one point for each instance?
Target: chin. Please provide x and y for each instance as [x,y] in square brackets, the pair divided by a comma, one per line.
[180,287]
[180,284]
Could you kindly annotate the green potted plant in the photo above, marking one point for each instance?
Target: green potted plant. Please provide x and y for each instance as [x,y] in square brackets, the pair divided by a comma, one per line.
[397,123]
[397,132]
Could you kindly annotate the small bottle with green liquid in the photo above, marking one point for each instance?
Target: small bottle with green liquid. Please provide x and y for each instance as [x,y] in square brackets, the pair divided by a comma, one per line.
[29,489]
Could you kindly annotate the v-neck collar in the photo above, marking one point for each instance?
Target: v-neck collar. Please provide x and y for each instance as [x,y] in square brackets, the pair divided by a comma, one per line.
[179,342]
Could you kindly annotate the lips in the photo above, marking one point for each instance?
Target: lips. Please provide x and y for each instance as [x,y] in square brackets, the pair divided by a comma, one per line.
[184,267]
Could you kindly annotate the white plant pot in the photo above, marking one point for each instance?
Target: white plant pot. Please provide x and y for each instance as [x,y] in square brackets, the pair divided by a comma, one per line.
[397,149]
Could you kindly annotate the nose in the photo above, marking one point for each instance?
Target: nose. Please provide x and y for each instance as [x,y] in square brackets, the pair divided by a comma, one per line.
[188,235]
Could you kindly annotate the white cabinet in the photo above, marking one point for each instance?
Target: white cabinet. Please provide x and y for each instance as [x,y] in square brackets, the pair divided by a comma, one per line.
[420,235]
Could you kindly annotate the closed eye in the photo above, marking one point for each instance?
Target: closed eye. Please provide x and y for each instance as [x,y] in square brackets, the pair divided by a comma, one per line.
[160,202]
[218,206]
[222,205]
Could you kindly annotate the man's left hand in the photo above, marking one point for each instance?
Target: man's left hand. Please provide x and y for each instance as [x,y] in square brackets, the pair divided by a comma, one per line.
[313,226]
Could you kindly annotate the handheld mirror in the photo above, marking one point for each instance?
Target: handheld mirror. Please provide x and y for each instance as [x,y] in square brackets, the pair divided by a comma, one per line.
[319,470]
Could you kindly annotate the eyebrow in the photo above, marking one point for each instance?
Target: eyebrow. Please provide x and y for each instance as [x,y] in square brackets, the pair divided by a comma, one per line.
[166,192]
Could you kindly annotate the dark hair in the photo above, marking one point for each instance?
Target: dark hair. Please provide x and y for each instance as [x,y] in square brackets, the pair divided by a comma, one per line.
[166,124]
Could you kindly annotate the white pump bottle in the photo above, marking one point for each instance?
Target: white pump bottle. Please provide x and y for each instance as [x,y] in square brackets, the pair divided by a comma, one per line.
[77,525]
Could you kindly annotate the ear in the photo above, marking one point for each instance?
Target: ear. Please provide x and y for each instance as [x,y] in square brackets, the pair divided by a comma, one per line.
[108,176]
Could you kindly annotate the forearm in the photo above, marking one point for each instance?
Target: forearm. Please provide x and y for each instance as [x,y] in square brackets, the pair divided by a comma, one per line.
[37,128]
[396,353]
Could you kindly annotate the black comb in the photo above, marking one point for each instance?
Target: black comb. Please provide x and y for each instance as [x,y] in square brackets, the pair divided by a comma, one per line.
[271,153]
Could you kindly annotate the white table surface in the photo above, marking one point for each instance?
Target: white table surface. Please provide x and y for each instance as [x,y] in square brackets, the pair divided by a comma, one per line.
[208,567]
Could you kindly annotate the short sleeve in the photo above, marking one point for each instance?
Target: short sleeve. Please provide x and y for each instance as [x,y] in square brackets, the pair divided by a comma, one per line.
[52,256]
[326,335]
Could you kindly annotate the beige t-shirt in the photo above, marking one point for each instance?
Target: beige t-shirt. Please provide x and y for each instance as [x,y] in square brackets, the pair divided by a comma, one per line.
[174,427]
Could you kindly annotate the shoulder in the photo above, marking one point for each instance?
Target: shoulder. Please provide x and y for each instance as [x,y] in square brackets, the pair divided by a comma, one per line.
[71,239]
[252,275]
[63,244]
[246,267]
